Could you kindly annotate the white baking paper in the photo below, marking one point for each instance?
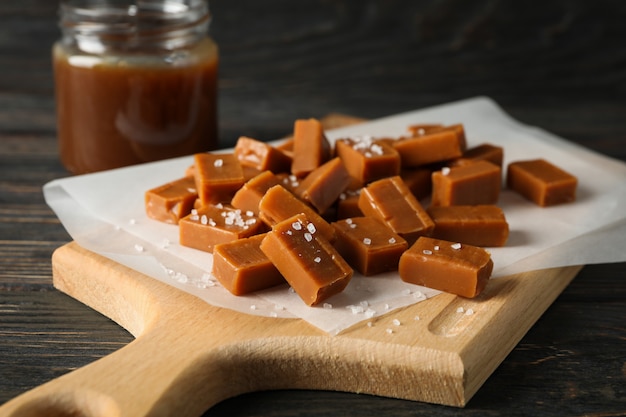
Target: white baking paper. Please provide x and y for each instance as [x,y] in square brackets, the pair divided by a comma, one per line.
[104,212]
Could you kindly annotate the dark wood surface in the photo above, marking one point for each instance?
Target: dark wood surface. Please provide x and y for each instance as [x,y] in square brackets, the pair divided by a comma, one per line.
[560,65]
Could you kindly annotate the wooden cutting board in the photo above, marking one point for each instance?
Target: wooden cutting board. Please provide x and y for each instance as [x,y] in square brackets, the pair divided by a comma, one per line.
[188,355]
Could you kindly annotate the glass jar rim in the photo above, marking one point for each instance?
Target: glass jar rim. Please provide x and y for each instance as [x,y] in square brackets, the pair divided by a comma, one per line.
[134,24]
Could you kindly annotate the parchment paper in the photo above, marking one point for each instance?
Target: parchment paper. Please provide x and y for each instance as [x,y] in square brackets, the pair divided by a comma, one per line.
[104,212]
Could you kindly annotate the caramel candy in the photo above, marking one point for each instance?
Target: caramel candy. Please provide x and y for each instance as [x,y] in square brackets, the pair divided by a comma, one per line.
[310,147]
[216,223]
[484,152]
[455,268]
[289,181]
[279,204]
[218,177]
[241,267]
[390,201]
[307,260]
[471,184]
[421,129]
[438,146]
[348,204]
[260,155]
[541,182]
[368,246]
[323,185]
[248,197]
[172,201]
[481,225]
[367,159]
[418,180]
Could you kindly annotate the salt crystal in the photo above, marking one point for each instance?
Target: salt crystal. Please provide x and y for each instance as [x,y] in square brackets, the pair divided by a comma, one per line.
[204,219]
[311,228]
[308,237]
[396,322]
[469,312]
[367,241]
[392,240]
[436,247]
[417,318]
[138,247]
[296,226]
[218,163]
[328,306]
[456,246]
[445,171]
[369,313]
[317,259]
[389,331]
[427,252]
[460,310]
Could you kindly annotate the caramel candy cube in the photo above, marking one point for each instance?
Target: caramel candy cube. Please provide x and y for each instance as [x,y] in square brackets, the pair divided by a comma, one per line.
[213,224]
[367,159]
[541,182]
[418,180]
[241,267]
[421,129]
[480,225]
[368,246]
[248,197]
[170,202]
[451,267]
[437,146]
[323,185]
[279,204]
[307,260]
[310,147]
[483,152]
[218,177]
[348,204]
[260,155]
[471,184]
[390,201]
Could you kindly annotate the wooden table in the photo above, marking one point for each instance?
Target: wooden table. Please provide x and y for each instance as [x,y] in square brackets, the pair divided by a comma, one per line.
[561,67]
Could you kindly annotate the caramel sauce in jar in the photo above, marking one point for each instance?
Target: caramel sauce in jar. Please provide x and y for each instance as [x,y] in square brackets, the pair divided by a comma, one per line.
[137,91]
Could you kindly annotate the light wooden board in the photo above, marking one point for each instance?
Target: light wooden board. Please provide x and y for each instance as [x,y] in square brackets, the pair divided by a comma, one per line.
[189,355]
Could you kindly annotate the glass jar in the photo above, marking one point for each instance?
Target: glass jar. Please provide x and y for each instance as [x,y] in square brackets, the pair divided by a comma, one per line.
[134,82]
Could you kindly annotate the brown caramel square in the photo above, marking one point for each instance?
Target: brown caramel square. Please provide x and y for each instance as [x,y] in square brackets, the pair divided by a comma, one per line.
[368,246]
[452,267]
[480,225]
[260,155]
[218,177]
[170,202]
[279,204]
[471,184]
[213,224]
[542,182]
[435,146]
[241,267]
[310,147]
[248,197]
[307,260]
[322,186]
[390,201]
[367,159]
